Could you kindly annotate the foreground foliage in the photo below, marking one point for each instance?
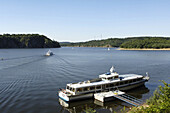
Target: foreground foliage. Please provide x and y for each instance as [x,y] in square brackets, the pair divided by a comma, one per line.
[158,103]
[89,110]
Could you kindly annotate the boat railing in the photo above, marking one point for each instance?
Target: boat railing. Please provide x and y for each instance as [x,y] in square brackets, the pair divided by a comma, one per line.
[129,97]
[146,78]
[88,81]
[95,80]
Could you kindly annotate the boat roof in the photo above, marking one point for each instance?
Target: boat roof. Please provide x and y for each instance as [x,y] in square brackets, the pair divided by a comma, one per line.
[108,75]
[87,84]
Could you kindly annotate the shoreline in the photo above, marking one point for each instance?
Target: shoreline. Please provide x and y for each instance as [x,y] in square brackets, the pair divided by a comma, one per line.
[145,49]
[133,49]
[133,108]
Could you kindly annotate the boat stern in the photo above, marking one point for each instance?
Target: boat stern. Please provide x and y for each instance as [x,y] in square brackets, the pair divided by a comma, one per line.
[146,78]
[63,96]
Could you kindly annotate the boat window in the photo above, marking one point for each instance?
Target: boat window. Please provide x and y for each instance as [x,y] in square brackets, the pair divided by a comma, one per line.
[110,78]
[92,88]
[79,90]
[73,89]
[117,83]
[67,87]
[130,81]
[85,89]
[116,77]
[107,85]
[111,85]
[121,83]
[126,82]
[88,88]
[98,87]
[103,86]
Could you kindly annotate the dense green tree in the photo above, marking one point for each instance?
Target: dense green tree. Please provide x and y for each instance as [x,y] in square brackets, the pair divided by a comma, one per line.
[26,41]
[158,103]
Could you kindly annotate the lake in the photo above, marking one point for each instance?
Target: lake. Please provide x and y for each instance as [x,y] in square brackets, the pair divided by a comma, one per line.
[29,81]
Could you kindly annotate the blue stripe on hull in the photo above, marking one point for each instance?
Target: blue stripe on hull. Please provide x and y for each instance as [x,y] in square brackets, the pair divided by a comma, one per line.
[63,99]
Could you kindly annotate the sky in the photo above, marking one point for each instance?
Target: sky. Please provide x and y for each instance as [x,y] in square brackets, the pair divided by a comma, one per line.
[83,20]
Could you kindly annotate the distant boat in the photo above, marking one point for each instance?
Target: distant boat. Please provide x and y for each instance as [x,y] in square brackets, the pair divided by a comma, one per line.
[49,53]
[108,49]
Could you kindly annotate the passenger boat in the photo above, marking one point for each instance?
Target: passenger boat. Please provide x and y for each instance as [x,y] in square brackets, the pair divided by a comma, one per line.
[49,53]
[106,82]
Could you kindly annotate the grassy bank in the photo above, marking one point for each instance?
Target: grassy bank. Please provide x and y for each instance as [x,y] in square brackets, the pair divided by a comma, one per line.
[162,49]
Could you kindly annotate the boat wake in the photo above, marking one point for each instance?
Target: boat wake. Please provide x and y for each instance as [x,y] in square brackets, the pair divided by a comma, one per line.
[14,58]
[19,61]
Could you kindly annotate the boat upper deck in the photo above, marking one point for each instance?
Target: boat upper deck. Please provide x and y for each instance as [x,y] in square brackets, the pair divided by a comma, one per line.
[100,82]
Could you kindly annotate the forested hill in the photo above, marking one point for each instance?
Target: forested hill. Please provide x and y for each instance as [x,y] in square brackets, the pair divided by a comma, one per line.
[147,42]
[26,41]
[111,42]
[131,42]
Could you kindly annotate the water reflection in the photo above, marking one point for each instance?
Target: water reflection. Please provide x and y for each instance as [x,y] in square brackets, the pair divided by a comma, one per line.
[110,106]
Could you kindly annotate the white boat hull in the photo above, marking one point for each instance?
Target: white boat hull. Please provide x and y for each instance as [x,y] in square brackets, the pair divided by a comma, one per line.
[74,97]
[63,96]
[131,86]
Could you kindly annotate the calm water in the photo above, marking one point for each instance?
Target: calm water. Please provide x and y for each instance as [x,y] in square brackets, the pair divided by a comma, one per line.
[29,81]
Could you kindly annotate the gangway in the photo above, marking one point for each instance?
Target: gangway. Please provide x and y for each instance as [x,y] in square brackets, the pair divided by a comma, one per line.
[129,99]
[104,96]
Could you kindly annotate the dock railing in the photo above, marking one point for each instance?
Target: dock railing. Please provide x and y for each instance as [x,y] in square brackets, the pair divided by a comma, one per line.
[129,99]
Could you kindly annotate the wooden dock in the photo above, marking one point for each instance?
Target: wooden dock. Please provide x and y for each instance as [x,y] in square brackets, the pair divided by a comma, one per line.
[105,96]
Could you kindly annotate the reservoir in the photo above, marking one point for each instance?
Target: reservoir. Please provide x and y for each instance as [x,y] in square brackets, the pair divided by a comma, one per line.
[30,81]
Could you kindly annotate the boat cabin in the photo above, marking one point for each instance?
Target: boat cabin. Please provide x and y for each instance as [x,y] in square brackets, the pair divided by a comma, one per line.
[109,76]
[108,81]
